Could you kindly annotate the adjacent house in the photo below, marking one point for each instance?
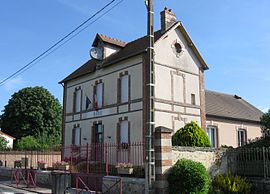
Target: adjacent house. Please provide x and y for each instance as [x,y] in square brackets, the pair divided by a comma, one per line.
[231,120]
[105,98]
[8,138]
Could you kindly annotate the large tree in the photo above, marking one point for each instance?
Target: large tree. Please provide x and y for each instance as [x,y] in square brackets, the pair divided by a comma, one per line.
[265,122]
[32,111]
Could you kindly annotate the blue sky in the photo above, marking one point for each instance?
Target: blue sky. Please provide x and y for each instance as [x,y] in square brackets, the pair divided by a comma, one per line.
[233,37]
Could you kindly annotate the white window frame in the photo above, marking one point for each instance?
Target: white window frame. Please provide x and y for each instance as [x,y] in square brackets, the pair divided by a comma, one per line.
[77,134]
[78,100]
[124,132]
[99,94]
[124,88]
[239,137]
[212,132]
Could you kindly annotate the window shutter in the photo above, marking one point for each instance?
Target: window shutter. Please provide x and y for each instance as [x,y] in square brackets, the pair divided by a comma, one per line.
[119,90]
[118,138]
[102,104]
[80,137]
[245,142]
[73,136]
[94,94]
[129,132]
[129,88]
[102,133]
[74,101]
[93,134]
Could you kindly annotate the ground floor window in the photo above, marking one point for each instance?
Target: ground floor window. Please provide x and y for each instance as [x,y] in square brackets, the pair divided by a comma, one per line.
[212,134]
[76,136]
[242,137]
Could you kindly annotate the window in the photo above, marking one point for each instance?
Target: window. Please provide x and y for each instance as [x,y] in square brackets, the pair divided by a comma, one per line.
[242,137]
[178,47]
[98,95]
[98,133]
[212,134]
[193,102]
[124,132]
[124,88]
[76,136]
[77,100]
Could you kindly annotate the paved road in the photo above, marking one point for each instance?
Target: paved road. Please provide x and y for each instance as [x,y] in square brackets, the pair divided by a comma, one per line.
[10,190]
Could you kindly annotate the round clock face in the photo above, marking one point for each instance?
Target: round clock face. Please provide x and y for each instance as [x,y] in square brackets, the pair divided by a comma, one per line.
[96,53]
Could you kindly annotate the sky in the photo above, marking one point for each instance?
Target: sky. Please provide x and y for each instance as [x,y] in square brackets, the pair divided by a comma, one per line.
[232,36]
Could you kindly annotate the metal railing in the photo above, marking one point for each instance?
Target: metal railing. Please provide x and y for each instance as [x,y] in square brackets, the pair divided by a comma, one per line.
[104,158]
[249,162]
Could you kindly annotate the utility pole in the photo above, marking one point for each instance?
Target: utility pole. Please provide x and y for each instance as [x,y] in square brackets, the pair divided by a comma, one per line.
[150,84]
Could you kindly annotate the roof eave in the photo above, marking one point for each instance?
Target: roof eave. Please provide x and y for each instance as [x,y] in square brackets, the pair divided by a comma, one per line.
[193,46]
[231,118]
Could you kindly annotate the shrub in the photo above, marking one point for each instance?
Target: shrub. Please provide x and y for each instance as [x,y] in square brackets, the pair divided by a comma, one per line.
[27,143]
[191,135]
[187,176]
[229,184]
[3,143]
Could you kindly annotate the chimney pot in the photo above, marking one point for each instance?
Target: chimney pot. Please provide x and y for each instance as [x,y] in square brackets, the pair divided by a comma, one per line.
[167,19]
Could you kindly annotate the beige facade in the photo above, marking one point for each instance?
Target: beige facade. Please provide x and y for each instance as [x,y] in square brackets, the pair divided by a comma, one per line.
[176,80]
[227,131]
[112,110]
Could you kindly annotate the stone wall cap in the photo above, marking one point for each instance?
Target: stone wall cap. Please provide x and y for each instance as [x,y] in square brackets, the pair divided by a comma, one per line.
[161,129]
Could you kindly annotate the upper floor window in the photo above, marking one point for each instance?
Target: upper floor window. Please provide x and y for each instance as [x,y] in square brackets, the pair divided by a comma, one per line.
[193,102]
[212,134]
[77,100]
[98,95]
[242,137]
[124,88]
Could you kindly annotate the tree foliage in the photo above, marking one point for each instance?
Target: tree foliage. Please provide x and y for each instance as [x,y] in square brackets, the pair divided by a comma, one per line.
[265,123]
[32,111]
[191,135]
[27,143]
[3,143]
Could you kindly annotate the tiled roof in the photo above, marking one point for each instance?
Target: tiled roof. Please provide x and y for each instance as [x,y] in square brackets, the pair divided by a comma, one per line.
[230,107]
[131,49]
[127,50]
[109,40]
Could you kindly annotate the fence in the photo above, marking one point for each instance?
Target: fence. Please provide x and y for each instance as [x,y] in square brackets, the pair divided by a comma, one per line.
[8,158]
[249,162]
[106,158]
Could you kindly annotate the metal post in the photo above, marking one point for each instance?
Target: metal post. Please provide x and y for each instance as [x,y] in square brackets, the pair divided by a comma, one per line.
[150,159]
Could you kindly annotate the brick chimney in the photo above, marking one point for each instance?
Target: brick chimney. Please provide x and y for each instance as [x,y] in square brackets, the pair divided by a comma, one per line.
[167,18]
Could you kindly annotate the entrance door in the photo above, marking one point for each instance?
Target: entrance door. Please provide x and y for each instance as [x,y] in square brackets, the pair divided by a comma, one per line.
[98,134]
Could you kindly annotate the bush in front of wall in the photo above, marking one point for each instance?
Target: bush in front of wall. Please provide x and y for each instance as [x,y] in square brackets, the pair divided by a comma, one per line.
[229,184]
[191,135]
[187,177]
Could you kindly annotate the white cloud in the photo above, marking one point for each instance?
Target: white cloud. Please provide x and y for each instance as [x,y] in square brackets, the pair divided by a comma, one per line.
[14,83]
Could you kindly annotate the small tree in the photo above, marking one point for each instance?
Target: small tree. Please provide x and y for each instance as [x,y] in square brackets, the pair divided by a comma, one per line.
[191,135]
[187,177]
[3,143]
[265,123]
[27,143]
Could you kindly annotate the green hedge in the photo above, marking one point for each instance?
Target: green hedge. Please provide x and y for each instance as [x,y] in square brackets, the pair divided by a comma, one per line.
[191,135]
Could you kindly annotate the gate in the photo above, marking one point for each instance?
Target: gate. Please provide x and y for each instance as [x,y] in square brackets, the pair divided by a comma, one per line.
[93,183]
